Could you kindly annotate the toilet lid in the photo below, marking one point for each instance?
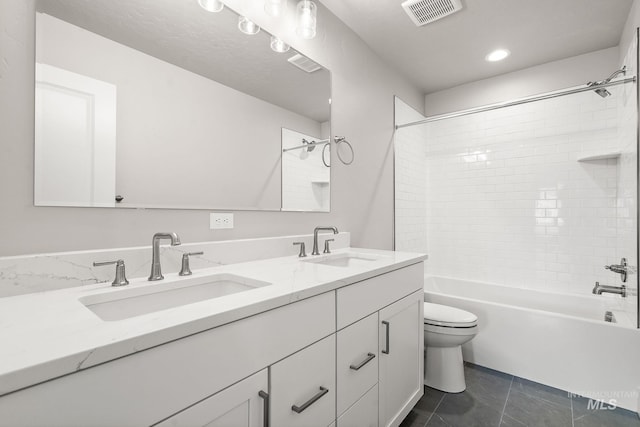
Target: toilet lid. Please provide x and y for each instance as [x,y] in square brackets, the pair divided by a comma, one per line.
[442,315]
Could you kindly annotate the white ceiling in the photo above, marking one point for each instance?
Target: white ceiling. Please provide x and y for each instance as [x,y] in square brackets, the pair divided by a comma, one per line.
[451,51]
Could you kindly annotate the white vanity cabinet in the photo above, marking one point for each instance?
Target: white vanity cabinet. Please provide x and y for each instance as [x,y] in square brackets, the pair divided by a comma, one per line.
[349,357]
[384,313]
[152,385]
[244,404]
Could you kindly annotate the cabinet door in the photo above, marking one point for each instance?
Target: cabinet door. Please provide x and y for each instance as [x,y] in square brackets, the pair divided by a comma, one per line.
[244,404]
[401,341]
[303,387]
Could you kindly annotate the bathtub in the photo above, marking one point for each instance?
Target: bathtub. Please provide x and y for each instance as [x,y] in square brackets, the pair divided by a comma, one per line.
[556,339]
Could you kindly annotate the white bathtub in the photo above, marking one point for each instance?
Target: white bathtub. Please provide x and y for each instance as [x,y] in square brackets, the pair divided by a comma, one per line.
[556,339]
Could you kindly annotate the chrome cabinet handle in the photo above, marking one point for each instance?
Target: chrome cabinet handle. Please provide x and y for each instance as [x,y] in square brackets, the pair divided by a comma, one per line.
[369,358]
[314,399]
[265,415]
[387,349]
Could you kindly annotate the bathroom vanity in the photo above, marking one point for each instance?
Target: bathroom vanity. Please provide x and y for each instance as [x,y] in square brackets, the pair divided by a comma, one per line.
[330,340]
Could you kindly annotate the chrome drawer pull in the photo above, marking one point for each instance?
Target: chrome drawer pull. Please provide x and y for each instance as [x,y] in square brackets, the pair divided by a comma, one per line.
[299,409]
[370,357]
[385,323]
[265,396]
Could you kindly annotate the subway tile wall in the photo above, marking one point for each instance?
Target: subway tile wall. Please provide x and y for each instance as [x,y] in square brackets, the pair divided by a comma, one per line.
[410,182]
[509,202]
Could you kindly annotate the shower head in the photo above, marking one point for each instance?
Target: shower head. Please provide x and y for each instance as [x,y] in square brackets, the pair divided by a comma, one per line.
[311,145]
[602,91]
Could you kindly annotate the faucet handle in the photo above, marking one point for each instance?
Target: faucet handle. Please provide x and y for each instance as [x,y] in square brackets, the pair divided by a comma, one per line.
[186,269]
[121,278]
[303,252]
[326,246]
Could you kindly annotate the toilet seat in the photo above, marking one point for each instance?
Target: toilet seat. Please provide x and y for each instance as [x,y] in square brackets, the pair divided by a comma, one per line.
[448,317]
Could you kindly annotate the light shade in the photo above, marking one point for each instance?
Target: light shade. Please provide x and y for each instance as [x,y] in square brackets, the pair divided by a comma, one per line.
[211,5]
[306,15]
[247,26]
[274,7]
[497,55]
[278,45]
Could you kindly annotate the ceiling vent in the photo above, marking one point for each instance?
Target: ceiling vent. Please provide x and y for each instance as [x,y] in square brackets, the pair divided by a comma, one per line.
[304,63]
[423,12]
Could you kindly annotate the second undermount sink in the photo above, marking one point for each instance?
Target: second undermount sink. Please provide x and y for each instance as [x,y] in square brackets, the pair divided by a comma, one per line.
[345,259]
[135,301]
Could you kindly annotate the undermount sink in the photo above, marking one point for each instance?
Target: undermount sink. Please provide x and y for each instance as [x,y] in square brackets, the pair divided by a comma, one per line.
[135,301]
[345,260]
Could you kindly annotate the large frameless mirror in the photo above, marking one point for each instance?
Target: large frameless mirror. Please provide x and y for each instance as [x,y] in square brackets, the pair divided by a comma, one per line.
[163,104]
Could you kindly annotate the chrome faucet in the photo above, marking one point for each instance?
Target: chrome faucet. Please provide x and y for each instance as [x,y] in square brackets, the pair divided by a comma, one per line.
[156,270]
[599,289]
[315,237]
[622,269]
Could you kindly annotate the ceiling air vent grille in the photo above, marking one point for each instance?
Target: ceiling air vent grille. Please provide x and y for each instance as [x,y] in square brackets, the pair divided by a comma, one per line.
[304,63]
[423,12]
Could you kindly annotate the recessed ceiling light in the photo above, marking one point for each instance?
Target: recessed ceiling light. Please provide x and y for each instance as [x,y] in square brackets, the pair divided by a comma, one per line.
[497,55]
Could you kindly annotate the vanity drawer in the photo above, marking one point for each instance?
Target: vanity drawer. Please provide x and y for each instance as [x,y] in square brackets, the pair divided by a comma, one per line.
[357,360]
[363,413]
[148,386]
[363,298]
[303,387]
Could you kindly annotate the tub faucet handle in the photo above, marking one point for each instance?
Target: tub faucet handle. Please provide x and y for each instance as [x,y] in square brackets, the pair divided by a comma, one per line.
[621,269]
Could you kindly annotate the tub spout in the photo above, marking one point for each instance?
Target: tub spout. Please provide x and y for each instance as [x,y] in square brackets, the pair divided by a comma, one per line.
[599,289]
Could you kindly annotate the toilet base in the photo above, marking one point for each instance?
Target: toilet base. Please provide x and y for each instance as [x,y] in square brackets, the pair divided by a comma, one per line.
[444,369]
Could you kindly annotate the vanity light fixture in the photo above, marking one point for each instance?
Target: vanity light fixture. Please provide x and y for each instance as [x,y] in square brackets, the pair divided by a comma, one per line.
[274,7]
[247,26]
[211,5]
[497,55]
[278,45]
[306,15]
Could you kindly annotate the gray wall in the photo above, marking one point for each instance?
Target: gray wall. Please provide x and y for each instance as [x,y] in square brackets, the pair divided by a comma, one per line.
[362,194]
[574,71]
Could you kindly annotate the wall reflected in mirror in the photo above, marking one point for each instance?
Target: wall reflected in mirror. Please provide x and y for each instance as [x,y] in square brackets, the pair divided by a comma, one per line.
[306,161]
[167,106]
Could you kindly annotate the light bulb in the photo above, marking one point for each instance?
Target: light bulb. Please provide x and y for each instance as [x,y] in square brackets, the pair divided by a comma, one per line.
[273,7]
[278,45]
[247,26]
[211,5]
[497,55]
[306,13]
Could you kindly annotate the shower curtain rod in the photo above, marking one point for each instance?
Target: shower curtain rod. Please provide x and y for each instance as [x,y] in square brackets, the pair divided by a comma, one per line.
[517,102]
[306,145]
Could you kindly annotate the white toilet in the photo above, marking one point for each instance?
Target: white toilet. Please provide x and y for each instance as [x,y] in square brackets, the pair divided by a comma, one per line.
[445,330]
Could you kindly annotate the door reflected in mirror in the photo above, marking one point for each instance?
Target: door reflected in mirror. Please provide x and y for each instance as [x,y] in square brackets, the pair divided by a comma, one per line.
[164,105]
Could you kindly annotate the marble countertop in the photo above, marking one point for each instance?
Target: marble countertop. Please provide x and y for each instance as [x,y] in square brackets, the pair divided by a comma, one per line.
[49,334]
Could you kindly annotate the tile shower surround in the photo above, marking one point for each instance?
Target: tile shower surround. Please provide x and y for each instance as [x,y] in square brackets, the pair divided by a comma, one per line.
[507,202]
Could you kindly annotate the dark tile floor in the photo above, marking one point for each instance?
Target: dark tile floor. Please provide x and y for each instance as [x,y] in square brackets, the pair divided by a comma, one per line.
[495,399]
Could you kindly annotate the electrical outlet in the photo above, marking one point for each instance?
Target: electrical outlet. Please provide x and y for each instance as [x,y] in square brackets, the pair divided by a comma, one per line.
[219,220]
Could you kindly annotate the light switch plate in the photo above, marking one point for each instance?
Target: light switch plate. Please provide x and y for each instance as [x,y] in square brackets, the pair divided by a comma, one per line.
[220,220]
